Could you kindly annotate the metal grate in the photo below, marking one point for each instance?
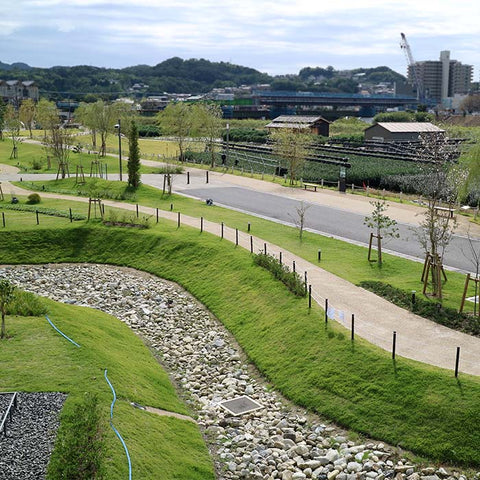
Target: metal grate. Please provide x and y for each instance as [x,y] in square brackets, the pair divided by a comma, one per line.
[241,405]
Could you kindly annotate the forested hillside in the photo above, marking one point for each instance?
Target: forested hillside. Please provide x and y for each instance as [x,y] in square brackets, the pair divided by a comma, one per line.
[176,75]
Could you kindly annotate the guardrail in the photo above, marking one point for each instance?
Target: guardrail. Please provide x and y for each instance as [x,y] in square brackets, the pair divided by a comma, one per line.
[8,414]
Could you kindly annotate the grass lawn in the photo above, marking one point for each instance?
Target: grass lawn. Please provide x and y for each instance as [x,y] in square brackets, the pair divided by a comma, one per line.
[343,259]
[416,406]
[36,358]
[32,158]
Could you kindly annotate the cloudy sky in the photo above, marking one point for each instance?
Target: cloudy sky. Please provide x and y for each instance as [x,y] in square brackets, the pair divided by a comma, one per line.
[276,37]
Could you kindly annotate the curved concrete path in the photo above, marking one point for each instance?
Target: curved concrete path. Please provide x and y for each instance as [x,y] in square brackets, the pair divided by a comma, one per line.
[375,318]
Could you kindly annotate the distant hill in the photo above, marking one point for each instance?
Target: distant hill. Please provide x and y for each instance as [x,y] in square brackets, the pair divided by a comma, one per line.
[176,75]
[14,66]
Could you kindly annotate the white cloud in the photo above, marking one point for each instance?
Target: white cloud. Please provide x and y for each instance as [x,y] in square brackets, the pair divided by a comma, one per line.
[263,32]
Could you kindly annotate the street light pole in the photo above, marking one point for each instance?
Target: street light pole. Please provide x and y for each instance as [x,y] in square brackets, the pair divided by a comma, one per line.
[228,138]
[120,147]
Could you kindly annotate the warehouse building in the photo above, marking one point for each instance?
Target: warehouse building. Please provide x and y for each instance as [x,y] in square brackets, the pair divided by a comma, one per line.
[400,131]
[304,123]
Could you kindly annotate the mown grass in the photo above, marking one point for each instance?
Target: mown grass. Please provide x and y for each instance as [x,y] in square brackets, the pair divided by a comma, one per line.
[32,158]
[416,406]
[36,358]
[343,259]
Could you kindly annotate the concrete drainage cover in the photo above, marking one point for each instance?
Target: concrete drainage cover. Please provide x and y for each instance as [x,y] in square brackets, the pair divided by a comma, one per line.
[240,405]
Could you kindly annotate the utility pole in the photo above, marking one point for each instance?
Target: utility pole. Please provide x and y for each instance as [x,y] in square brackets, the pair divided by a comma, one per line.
[119,127]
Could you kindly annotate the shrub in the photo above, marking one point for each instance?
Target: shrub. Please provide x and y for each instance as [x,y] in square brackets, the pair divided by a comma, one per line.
[246,135]
[26,304]
[425,308]
[148,131]
[78,447]
[291,279]
[33,199]
[37,164]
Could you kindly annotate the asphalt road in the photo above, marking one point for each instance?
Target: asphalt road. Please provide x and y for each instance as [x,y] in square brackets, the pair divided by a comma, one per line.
[322,219]
[331,221]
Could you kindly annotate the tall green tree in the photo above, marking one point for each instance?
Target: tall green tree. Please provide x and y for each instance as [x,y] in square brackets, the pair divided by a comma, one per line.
[84,114]
[6,296]
[13,124]
[26,114]
[133,164]
[208,124]
[291,146]
[177,120]
[47,115]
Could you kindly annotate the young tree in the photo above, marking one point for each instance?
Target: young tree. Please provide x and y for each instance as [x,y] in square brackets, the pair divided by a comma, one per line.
[291,146]
[133,164]
[177,120]
[208,123]
[439,183]
[26,114]
[382,224]
[13,124]
[299,219]
[59,144]
[6,296]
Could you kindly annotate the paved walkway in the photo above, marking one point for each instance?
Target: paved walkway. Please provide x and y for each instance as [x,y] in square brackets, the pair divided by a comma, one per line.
[375,318]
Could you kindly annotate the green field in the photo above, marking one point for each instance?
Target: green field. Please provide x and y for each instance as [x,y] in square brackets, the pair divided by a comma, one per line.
[415,406]
[32,158]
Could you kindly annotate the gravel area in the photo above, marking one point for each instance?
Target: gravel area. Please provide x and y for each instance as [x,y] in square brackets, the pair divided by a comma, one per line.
[26,449]
[278,441]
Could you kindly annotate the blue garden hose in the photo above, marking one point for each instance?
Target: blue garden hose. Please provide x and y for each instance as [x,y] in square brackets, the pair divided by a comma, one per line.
[61,333]
[115,430]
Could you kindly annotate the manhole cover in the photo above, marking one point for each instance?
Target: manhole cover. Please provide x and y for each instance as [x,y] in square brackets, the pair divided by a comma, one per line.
[240,405]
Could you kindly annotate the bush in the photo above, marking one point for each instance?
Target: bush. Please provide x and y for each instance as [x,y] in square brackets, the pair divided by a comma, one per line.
[26,304]
[425,308]
[33,199]
[78,447]
[37,164]
[148,131]
[246,135]
[281,272]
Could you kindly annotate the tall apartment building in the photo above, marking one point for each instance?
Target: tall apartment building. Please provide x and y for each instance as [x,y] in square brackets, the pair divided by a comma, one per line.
[442,79]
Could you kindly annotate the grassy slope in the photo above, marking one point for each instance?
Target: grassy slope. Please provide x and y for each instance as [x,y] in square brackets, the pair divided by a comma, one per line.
[34,152]
[343,259]
[420,407]
[36,358]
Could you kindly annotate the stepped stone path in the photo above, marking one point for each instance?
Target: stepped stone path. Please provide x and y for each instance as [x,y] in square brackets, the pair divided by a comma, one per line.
[276,442]
[375,318]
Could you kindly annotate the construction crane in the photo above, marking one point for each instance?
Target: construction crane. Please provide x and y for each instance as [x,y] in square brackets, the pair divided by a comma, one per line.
[411,62]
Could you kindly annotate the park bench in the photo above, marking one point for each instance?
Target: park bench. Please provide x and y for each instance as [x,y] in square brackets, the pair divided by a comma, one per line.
[445,211]
[311,185]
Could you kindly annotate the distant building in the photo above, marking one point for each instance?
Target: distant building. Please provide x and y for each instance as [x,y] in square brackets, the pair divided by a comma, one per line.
[309,124]
[399,131]
[15,91]
[442,79]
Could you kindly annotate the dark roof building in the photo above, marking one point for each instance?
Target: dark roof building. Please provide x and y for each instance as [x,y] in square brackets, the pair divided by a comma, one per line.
[309,124]
[400,131]
[15,90]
